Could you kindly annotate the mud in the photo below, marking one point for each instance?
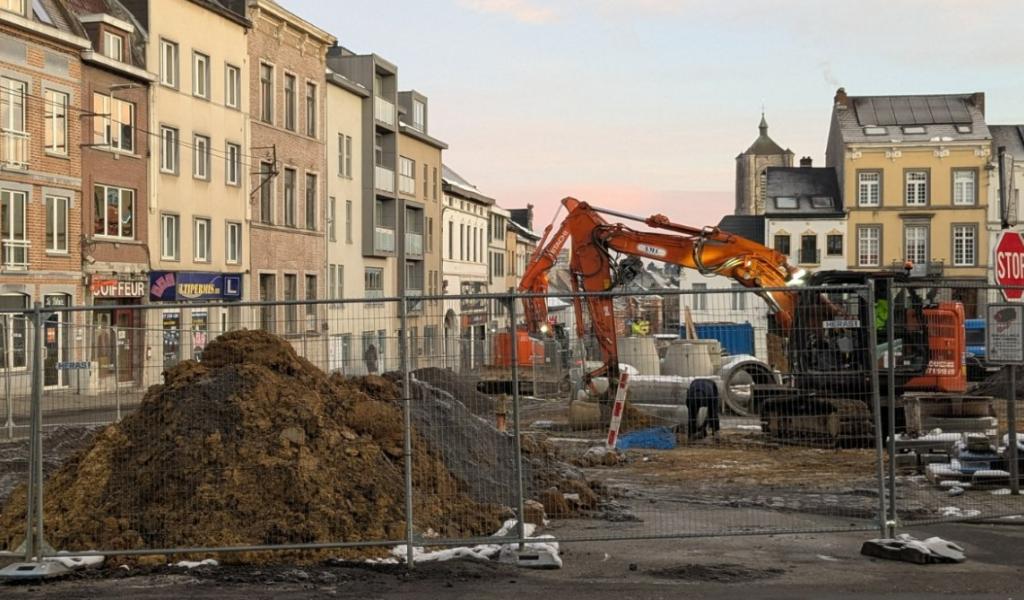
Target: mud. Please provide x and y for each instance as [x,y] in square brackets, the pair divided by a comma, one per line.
[720,573]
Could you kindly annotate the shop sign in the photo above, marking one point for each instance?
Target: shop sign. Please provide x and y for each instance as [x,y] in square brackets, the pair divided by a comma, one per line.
[170,286]
[471,320]
[56,300]
[112,287]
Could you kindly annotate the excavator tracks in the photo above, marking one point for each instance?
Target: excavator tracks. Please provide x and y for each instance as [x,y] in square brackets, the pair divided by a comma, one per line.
[809,420]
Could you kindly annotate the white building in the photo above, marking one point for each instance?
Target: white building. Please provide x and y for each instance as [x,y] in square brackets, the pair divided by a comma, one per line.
[804,216]
[465,270]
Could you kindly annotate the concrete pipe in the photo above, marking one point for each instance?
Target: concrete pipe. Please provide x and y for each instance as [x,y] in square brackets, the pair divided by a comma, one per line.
[739,374]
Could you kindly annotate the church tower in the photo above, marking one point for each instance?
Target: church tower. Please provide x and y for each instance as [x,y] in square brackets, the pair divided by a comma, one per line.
[751,169]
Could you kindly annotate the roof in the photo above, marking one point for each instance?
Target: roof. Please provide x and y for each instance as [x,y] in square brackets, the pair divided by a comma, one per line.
[803,184]
[1011,136]
[457,185]
[765,145]
[747,226]
[520,230]
[943,117]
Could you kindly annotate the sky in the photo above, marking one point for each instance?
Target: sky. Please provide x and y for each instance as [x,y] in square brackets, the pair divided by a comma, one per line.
[643,105]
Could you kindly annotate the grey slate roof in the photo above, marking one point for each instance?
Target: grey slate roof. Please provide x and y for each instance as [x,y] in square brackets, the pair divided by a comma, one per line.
[803,183]
[765,145]
[939,114]
[747,226]
[456,184]
[1011,136]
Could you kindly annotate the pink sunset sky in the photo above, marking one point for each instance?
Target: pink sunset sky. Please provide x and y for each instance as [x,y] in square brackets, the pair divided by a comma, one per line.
[643,105]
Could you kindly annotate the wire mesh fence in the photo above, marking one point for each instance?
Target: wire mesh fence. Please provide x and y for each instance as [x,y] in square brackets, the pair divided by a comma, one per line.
[432,421]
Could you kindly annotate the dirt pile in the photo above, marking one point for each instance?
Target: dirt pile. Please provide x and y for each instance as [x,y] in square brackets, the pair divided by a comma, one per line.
[252,446]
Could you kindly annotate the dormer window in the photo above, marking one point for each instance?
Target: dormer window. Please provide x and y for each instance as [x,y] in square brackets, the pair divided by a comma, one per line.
[874,130]
[963,128]
[786,202]
[14,6]
[821,202]
[419,115]
[915,130]
[113,46]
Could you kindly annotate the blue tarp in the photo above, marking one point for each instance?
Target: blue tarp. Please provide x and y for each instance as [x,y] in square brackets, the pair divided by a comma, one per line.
[657,438]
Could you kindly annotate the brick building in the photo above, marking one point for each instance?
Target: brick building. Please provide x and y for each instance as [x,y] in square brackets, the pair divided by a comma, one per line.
[40,176]
[115,175]
[288,248]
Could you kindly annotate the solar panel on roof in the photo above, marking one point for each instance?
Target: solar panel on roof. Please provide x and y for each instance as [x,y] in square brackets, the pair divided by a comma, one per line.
[922,112]
[940,109]
[865,111]
[958,111]
[902,111]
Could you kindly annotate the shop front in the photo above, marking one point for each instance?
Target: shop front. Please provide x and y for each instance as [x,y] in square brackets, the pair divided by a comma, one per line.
[185,333]
[119,330]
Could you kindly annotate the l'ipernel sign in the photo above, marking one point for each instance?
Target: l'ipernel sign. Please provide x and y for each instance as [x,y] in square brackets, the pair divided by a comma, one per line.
[1004,334]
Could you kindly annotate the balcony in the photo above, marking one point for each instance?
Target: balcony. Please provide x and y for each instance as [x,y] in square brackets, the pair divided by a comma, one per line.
[383,111]
[383,239]
[14,145]
[16,255]
[384,179]
[414,244]
[809,256]
[407,185]
[929,268]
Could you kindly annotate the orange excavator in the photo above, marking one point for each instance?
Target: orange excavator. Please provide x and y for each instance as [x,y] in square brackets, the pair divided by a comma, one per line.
[829,388]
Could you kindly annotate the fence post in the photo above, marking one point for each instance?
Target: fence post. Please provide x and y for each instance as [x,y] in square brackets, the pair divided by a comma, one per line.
[117,374]
[517,441]
[34,541]
[1011,433]
[891,392]
[876,403]
[403,344]
[7,376]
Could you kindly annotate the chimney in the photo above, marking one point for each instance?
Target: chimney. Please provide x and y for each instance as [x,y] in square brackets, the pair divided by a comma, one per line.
[978,100]
[806,162]
[841,99]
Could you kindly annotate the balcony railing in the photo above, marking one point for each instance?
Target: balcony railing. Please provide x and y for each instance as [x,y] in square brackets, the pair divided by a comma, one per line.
[383,111]
[16,255]
[14,145]
[929,268]
[384,179]
[383,239]
[809,256]
[407,185]
[414,244]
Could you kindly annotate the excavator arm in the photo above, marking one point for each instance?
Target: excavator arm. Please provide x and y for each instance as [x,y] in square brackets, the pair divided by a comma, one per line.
[592,268]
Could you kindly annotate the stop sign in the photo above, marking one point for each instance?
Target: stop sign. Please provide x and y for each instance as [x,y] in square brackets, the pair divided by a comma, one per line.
[1009,265]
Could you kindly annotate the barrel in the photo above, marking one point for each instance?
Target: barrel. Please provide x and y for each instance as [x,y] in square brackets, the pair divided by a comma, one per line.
[641,353]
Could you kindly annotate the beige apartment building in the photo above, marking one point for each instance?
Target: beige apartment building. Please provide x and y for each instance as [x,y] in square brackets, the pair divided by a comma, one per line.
[913,175]
[287,244]
[199,209]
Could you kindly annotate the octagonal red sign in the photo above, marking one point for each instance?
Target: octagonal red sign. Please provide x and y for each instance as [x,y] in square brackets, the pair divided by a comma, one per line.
[1009,265]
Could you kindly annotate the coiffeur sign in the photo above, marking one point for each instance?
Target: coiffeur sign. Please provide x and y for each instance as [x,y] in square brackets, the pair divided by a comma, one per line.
[112,287]
[170,286]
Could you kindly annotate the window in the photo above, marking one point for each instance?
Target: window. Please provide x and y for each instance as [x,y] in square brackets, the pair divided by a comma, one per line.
[425,182]
[430,234]
[834,244]
[233,166]
[232,86]
[56,134]
[915,240]
[289,197]
[113,46]
[874,130]
[451,240]
[310,307]
[289,102]
[13,106]
[266,93]
[344,155]
[435,188]
[497,264]
[809,249]
[57,224]
[114,123]
[201,240]
[462,241]
[12,224]
[869,246]
[419,115]
[169,150]
[965,246]
[378,149]
[268,293]
[311,109]
[699,301]
[201,157]
[915,130]
[233,251]
[782,244]
[373,282]
[14,6]
[821,202]
[201,75]
[786,202]
[917,188]
[406,175]
[115,212]
[14,329]
[348,221]
[171,230]
[266,193]
[339,289]
[869,188]
[963,129]
[739,299]
[332,219]
[964,187]
[169,63]
[311,201]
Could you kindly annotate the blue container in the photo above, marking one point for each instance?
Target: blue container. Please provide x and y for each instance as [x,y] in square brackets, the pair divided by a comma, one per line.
[736,338]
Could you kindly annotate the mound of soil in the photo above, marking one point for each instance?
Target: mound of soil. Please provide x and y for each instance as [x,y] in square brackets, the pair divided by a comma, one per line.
[252,446]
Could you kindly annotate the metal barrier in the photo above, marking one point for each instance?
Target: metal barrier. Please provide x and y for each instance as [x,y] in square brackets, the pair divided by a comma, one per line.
[432,421]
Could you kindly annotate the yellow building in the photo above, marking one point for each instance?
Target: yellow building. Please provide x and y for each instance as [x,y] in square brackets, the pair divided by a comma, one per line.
[912,170]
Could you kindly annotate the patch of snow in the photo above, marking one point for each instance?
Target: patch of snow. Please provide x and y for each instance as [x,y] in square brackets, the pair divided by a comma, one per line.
[994,473]
[749,427]
[1001,492]
[956,511]
[192,564]
[483,552]
[828,558]
[76,562]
